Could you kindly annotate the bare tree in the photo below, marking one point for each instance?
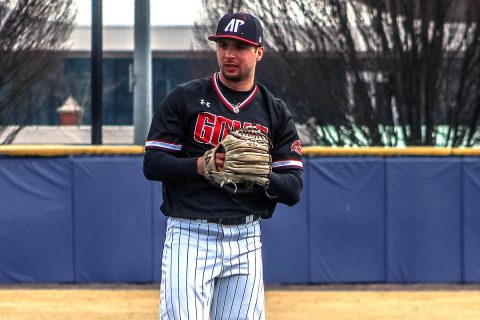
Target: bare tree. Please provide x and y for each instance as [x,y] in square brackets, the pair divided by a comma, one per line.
[374,72]
[32,32]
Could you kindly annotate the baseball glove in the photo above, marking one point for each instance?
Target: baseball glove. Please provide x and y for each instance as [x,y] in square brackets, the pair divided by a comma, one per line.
[247,159]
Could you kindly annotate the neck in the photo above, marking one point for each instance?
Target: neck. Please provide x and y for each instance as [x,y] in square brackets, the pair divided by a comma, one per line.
[244,85]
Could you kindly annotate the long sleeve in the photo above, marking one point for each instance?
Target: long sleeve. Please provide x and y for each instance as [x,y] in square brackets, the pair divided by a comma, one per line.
[162,166]
[286,187]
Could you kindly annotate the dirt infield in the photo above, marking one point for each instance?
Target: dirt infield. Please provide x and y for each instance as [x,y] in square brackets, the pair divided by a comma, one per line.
[283,303]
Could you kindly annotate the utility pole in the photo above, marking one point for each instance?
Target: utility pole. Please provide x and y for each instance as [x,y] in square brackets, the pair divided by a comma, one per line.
[96,72]
[142,72]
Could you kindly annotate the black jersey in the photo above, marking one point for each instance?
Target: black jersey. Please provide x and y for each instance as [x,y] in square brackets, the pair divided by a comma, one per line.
[194,118]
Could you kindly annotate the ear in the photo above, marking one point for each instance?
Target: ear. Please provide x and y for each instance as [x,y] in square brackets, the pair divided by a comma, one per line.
[259,53]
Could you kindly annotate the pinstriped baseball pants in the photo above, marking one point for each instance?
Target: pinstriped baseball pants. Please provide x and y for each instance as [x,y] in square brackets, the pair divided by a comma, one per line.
[211,271]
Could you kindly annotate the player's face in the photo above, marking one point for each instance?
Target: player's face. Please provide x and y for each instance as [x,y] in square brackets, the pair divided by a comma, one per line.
[237,59]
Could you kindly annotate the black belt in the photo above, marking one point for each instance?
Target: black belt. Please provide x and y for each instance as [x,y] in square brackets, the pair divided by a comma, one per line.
[231,221]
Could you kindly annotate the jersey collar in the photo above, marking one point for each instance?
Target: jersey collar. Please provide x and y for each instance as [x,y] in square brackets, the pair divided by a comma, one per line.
[234,107]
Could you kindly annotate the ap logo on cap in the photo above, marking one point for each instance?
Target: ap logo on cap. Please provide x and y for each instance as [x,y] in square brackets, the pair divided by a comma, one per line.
[233,25]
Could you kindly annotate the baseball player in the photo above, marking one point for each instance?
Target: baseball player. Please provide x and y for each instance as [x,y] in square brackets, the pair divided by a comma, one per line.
[212,262]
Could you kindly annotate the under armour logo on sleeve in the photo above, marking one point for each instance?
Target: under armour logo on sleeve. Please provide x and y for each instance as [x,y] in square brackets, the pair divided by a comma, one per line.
[202,102]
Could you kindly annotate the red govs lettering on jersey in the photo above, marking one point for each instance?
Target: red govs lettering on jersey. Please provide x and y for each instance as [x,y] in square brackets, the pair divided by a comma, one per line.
[296,147]
[204,127]
[211,129]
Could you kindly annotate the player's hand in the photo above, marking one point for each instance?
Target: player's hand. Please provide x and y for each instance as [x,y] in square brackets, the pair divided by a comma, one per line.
[219,160]
[219,163]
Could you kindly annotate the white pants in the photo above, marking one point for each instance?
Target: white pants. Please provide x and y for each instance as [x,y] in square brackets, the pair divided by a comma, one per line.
[211,271]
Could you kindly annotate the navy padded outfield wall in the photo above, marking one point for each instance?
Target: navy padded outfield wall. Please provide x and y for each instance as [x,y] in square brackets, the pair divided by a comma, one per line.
[347,221]
[36,229]
[424,222]
[113,221]
[90,219]
[471,219]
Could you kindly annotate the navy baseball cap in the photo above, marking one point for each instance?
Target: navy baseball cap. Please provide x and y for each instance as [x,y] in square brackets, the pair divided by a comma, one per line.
[240,26]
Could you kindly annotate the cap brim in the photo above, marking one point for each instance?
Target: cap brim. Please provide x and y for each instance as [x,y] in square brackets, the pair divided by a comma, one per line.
[220,36]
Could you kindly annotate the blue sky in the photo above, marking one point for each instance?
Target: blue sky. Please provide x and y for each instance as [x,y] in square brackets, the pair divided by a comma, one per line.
[121,12]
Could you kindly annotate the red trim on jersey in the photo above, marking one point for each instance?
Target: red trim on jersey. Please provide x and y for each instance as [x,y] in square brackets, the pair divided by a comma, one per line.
[226,102]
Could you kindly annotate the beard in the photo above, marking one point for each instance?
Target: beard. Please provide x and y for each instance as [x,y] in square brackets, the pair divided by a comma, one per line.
[239,77]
